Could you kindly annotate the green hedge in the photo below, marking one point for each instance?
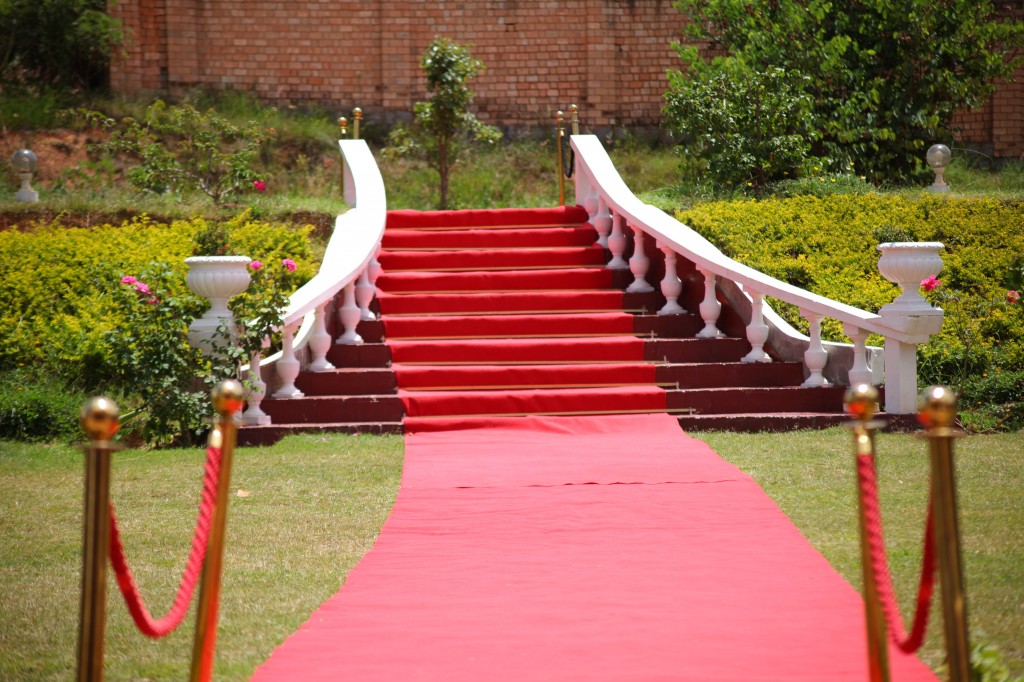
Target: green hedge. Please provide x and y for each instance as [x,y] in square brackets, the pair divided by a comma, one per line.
[827,245]
[59,286]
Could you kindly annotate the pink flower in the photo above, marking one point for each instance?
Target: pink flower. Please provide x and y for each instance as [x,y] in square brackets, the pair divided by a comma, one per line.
[930,283]
[128,279]
[259,185]
[151,300]
[255,265]
[142,287]
[1013,296]
[290,264]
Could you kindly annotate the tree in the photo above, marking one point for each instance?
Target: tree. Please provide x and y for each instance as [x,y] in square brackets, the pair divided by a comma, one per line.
[886,76]
[443,127]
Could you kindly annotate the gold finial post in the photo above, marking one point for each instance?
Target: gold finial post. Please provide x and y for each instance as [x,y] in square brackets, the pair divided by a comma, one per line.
[574,113]
[99,419]
[559,134]
[227,398]
[343,126]
[862,404]
[937,411]
[357,117]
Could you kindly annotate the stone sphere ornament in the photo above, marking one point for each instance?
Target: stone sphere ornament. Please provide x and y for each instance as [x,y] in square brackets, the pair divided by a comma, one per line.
[938,157]
[24,162]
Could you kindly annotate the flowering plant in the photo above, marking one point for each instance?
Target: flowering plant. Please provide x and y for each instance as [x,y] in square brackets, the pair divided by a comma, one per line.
[259,309]
[212,240]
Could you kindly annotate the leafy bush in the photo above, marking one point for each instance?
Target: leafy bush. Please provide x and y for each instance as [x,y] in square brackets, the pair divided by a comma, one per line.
[180,149]
[34,408]
[65,312]
[749,127]
[886,78]
[827,246]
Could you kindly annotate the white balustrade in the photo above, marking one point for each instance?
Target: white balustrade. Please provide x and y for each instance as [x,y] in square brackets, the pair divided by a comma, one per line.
[320,342]
[710,308]
[617,244]
[349,316]
[639,263]
[255,390]
[288,366]
[602,223]
[815,357]
[757,330]
[365,291]
[671,285]
[860,373]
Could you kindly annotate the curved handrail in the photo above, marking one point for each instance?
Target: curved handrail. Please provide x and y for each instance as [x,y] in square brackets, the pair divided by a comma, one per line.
[691,245]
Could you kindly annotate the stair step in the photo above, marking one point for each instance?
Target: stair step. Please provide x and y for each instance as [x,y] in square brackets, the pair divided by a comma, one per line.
[334,409]
[412,240]
[617,400]
[754,422]
[499,303]
[496,377]
[522,351]
[508,326]
[272,433]
[732,374]
[366,354]
[492,259]
[569,279]
[348,381]
[695,350]
[738,400]
[487,218]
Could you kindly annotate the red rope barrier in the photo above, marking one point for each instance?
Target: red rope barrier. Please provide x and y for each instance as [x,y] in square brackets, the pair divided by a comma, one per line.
[162,627]
[907,643]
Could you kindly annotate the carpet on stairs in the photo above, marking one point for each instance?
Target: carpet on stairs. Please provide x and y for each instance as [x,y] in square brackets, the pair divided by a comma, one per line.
[583,549]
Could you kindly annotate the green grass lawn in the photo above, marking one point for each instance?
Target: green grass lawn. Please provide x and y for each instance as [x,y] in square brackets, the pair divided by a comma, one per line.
[304,511]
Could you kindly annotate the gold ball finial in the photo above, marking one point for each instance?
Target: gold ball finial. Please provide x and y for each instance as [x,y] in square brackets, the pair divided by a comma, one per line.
[573,109]
[227,397]
[861,401]
[357,112]
[100,418]
[936,407]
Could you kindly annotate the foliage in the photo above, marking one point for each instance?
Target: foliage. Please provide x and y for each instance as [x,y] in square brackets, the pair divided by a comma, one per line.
[181,149]
[886,78]
[443,127]
[827,246]
[68,43]
[36,408]
[747,126]
[212,240]
[64,312]
[259,309]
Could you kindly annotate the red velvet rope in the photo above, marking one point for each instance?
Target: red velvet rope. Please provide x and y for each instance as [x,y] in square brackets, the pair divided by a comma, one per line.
[162,627]
[868,479]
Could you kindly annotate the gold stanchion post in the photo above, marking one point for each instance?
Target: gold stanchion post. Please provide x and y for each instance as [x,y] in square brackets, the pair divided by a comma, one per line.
[227,400]
[99,420]
[357,117]
[937,411]
[559,134]
[861,404]
[574,114]
[343,133]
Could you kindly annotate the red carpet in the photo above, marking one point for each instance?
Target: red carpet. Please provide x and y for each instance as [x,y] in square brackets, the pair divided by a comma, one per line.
[604,548]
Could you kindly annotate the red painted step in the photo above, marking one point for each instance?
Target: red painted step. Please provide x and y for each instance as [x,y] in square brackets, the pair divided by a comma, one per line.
[499,377]
[551,401]
[573,279]
[426,240]
[527,351]
[543,257]
[456,326]
[499,302]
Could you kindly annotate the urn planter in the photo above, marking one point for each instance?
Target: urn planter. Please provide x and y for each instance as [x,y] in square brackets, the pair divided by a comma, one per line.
[217,279]
[907,264]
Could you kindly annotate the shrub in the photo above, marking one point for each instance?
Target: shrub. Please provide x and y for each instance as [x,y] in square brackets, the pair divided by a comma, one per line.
[34,408]
[827,246]
[886,78]
[749,127]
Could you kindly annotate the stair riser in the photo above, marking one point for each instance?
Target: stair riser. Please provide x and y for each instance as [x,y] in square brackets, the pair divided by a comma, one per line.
[591,256]
[731,374]
[268,435]
[541,280]
[362,355]
[608,301]
[510,326]
[695,350]
[489,239]
[357,381]
[767,400]
[334,409]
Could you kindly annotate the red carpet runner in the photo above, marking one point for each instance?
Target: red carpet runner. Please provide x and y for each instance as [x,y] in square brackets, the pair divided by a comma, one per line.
[583,548]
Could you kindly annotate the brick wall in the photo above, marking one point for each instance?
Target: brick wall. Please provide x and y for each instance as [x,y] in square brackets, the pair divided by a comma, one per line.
[607,56]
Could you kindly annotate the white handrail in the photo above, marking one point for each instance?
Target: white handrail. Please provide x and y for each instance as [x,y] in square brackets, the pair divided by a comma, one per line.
[903,327]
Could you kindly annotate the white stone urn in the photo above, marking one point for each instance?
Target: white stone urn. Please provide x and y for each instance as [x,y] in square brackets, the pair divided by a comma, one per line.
[907,264]
[217,279]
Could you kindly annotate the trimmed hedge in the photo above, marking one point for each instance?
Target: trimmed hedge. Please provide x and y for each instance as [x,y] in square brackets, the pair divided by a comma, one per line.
[58,287]
[827,245]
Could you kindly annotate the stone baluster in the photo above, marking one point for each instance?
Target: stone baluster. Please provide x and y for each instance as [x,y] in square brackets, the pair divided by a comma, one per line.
[617,244]
[710,308]
[602,223]
[860,372]
[288,366]
[757,330]
[320,342]
[590,199]
[365,291]
[349,316]
[671,285]
[639,264]
[815,356]
[256,390]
